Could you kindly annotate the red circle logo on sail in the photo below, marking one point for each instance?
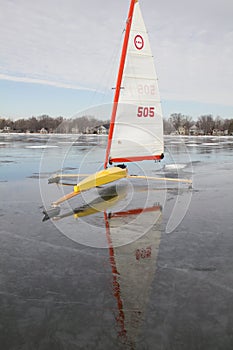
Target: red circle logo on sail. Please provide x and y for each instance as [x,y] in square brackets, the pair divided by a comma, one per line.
[138,42]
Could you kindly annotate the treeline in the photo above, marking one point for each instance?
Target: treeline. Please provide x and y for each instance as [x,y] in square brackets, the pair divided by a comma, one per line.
[176,123]
[205,124]
[33,124]
[50,124]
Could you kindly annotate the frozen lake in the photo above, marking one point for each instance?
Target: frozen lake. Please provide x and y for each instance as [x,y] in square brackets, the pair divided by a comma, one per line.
[143,265]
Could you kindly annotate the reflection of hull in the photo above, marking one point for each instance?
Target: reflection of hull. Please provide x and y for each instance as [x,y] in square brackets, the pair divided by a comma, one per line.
[107,198]
[133,267]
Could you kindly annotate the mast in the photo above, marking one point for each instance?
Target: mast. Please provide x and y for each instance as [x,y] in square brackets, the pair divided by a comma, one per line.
[119,79]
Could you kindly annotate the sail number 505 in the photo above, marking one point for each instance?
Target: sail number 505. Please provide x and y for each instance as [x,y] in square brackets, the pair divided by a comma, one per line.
[146,111]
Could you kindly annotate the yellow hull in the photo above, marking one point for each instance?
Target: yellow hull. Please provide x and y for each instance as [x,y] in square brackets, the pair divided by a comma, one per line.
[100,178]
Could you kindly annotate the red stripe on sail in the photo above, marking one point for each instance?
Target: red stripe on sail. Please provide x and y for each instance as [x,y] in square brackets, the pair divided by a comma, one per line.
[135,159]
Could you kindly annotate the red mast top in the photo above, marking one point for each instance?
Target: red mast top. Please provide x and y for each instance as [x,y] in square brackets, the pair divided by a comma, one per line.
[119,80]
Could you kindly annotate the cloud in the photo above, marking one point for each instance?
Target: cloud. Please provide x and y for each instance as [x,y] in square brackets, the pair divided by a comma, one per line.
[55,40]
[74,44]
[43,82]
[195,50]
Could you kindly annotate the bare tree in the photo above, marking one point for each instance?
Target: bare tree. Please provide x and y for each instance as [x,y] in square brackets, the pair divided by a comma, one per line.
[206,123]
[178,120]
[187,123]
[167,127]
[219,124]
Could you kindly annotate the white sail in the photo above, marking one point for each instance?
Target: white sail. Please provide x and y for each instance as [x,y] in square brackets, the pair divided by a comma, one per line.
[138,127]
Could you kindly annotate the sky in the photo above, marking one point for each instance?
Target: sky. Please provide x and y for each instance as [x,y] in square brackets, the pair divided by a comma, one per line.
[60,57]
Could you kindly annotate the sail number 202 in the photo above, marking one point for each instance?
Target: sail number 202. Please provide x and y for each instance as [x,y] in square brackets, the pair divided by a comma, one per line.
[146,111]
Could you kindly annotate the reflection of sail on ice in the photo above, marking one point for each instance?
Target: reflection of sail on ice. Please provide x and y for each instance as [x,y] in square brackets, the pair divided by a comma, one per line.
[133,266]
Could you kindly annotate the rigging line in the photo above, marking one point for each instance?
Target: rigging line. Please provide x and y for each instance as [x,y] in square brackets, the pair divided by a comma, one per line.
[107,78]
[114,62]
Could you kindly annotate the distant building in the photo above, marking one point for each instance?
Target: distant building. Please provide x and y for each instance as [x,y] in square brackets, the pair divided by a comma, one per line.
[193,130]
[88,130]
[43,131]
[181,130]
[6,129]
[217,132]
[74,130]
[101,130]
